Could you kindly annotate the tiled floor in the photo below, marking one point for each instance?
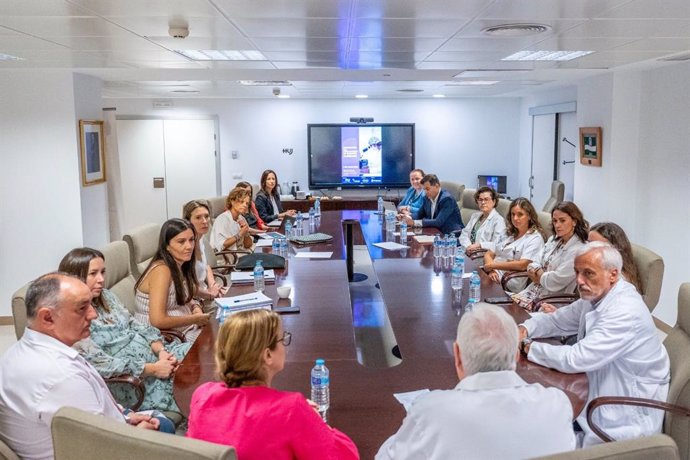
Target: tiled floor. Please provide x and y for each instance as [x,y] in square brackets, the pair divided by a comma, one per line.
[7,338]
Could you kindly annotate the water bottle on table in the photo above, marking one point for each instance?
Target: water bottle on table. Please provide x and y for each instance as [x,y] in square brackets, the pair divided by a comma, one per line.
[317,206]
[379,205]
[475,291]
[297,229]
[283,246]
[312,215]
[288,228]
[437,245]
[320,392]
[460,259]
[456,283]
[275,246]
[259,281]
[403,231]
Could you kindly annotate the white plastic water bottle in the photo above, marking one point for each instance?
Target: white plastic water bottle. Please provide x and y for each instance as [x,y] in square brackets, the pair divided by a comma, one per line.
[297,229]
[437,245]
[312,215]
[456,282]
[460,259]
[448,247]
[403,231]
[288,228]
[317,206]
[320,381]
[283,246]
[379,205]
[275,246]
[475,291]
[259,281]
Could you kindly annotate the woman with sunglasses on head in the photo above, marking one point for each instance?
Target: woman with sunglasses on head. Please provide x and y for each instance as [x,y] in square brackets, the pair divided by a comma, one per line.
[486,226]
[242,410]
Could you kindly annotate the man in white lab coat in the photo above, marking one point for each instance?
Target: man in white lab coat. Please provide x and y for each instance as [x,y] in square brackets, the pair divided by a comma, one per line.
[492,412]
[618,346]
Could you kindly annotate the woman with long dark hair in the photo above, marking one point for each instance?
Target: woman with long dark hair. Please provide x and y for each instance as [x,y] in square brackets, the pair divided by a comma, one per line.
[268,199]
[165,291]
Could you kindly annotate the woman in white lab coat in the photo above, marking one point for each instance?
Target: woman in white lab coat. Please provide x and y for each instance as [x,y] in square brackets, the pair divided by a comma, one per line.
[521,245]
[486,226]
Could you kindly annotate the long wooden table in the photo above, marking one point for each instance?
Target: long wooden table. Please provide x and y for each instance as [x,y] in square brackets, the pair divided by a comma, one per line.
[417,297]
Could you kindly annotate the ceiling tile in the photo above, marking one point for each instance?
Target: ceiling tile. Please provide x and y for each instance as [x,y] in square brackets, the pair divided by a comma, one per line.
[648,9]
[127,8]
[62,26]
[535,10]
[630,28]
[293,27]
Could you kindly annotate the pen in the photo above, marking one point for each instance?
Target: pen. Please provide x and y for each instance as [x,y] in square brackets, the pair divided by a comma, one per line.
[245,300]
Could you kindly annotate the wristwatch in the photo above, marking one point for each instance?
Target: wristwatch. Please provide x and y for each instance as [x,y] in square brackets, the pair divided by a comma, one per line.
[524,343]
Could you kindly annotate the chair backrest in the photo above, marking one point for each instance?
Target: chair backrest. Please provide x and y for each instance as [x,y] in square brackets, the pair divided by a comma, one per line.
[557,195]
[677,344]
[216,206]
[78,434]
[658,447]
[469,206]
[143,244]
[503,207]
[545,221]
[454,189]
[118,272]
[650,268]
[19,310]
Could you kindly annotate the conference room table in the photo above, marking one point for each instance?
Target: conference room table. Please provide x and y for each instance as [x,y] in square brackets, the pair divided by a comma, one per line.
[350,327]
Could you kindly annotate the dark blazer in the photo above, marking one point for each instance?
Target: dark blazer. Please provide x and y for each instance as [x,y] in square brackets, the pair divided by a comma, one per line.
[265,208]
[447,216]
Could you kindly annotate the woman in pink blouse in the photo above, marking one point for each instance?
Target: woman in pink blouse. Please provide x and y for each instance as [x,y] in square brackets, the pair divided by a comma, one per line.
[243,410]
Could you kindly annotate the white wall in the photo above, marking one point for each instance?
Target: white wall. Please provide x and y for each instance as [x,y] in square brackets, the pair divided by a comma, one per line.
[94,198]
[39,178]
[456,139]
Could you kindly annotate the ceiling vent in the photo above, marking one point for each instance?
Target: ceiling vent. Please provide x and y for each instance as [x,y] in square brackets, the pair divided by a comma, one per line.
[516,30]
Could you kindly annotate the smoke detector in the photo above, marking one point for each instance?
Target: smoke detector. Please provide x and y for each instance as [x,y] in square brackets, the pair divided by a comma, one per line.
[516,30]
[178,32]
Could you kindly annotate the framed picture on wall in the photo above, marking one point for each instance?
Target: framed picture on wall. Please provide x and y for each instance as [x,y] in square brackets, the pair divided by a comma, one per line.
[590,146]
[92,152]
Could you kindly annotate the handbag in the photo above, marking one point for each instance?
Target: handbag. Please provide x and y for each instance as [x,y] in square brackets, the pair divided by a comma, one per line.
[267,260]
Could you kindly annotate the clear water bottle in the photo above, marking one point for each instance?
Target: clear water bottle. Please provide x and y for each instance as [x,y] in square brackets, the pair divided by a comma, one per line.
[403,231]
[283,246]
[275,246]
[475,291]
[297,229]
[379,205]
[437,245]
[312,216]
[448,246]
[288,228]
[259,281]
[317,207]
[456,283]
[320,382]
[460,259]
[390,221]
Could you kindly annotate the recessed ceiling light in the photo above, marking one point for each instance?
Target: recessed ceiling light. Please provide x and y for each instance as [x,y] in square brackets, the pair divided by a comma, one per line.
[473,83]
[410,90]
[9,57]
[185,91]
[516,30]
[439,96]
[283,96]
[361,96]
[264,83]
[222,55]
[544,55]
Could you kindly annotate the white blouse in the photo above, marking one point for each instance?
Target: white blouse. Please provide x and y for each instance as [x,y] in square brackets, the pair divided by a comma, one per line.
[489,232]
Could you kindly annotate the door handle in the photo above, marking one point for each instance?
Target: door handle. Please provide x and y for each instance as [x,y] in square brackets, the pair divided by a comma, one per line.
[568,162]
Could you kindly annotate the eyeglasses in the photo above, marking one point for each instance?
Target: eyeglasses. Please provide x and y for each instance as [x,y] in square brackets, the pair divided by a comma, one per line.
[484,200]
[287,338]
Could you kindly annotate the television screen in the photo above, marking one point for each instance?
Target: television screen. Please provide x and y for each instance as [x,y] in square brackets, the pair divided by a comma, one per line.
[360,156]
[497,183]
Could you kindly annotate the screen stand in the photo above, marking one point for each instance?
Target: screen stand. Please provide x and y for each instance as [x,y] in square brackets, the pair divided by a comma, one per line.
[349,253]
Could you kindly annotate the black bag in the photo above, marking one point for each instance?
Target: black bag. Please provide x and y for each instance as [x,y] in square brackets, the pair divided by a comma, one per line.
[268,260]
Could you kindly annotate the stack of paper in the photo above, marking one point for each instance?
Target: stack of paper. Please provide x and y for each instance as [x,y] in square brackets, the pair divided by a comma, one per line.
[248,277]
[424,239]
[244,302]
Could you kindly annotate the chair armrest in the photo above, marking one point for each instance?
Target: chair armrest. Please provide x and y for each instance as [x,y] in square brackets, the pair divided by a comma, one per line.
[220,276]
[509,276]
[629,401]
[477,254]
[136,384]
[170,335]
[556,298]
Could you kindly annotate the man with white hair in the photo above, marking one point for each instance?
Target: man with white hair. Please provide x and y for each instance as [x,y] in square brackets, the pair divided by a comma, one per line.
[618,346]
[492,412]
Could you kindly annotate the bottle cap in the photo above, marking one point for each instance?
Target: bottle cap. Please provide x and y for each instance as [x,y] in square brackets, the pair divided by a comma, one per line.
[320,362]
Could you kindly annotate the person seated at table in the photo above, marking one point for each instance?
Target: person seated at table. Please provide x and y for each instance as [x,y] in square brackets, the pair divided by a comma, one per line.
[618,345]
[611,233]
[486,226]
[230,229]
[165,291]
[492,412]
[553,271]
[521,244]
[268,200]
[440,209]
[413,200]
[198,213]
[255,222]
[118,344]
[242,410]
[42,373]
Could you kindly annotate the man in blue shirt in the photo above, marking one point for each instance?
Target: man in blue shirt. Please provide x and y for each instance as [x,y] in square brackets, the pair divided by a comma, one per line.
[440,209]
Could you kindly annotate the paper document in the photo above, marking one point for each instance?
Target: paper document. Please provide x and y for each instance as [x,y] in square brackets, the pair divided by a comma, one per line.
[253,299]
[406,399]
[248,277]
[467,275]
[270,235]
[390,245]
[275,223]
[264,242]
[313,255]
[424,239]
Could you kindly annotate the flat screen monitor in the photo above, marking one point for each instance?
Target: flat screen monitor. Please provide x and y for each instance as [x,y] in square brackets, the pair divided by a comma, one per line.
[360,156]
[497,183]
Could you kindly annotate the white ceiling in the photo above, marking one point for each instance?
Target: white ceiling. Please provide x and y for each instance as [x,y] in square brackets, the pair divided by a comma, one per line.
[336,48]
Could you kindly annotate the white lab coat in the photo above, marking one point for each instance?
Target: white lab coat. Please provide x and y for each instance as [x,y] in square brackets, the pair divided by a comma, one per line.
[619,349]
[487,415]
[528,247]
[559,268]
[490,231]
